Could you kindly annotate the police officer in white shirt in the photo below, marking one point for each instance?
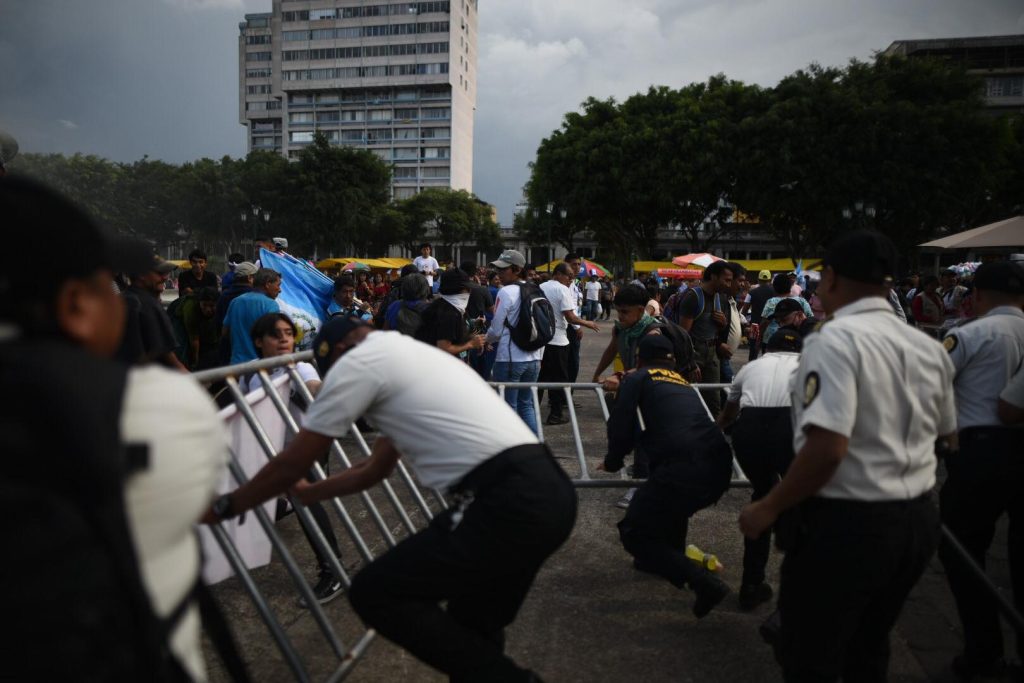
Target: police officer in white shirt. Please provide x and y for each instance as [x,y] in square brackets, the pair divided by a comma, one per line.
[986,475]
[513,504]
[870,399]
[762,439]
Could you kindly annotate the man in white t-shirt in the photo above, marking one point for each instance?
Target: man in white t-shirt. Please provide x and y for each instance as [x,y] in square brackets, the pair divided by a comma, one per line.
[554,367]
[513,506]
[762,439]
[511,363]
[426,264]
[592,294]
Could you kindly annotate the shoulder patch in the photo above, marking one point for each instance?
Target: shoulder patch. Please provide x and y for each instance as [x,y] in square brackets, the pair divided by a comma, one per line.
[811,387]
[950,343]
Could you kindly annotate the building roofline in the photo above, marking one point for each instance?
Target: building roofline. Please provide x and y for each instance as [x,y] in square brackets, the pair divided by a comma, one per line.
[910,45]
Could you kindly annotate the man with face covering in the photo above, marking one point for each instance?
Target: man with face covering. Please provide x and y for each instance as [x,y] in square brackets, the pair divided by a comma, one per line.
[444,320]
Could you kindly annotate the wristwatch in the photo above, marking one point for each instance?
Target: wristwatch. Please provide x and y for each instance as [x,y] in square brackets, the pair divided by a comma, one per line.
[222,507]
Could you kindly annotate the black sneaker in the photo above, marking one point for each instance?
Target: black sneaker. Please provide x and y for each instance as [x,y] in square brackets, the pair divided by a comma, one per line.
[556,419]
[754,594]
[710,591]
[326,589]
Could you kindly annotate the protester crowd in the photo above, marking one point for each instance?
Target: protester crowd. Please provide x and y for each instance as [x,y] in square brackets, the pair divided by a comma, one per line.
[837,419]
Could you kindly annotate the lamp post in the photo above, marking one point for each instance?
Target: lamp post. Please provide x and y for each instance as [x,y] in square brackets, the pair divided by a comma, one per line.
[860,212]
[549,216]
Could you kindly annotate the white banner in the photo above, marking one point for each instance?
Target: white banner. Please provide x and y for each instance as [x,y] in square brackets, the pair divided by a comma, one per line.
[252,544]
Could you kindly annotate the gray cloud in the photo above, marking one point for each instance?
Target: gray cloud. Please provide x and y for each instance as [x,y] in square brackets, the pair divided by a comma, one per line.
[160,78]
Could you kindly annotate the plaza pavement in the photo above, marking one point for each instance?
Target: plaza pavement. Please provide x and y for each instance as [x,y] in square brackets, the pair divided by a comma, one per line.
[590,616]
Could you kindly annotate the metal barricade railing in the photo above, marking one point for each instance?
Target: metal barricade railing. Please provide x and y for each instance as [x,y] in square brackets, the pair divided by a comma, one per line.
[585,480]
[348,657]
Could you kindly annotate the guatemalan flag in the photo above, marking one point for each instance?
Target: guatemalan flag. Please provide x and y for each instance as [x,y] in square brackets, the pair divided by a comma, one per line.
[305,294]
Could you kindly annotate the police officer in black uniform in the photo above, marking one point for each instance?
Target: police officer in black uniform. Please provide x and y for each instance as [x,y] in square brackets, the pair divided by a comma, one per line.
[690,467]
[986,475]
[870,399]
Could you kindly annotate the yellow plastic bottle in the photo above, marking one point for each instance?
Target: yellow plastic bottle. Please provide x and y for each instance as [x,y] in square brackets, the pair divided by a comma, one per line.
[706,560]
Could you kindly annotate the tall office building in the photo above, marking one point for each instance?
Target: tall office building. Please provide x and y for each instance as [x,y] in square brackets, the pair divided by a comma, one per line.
[396,78]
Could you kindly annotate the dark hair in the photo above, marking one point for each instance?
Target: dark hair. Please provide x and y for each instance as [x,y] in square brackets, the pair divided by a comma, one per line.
[408,269]
[781,284]
[343,281]
[197,253]
[654,293]
[928,280]
[264,276]
[737,270]
[631,295]
[563,269]
[266,324]
[207,294]
[715,269]
[235,257]
[468,267]
[426,244]
[571,256]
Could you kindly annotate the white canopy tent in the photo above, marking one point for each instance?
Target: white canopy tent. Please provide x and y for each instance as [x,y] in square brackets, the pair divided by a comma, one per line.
[1006,233]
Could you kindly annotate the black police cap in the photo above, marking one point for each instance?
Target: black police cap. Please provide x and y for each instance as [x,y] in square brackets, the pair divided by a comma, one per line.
[786,339]
[656,347]
[333,331]
[1000,276]
[863,255]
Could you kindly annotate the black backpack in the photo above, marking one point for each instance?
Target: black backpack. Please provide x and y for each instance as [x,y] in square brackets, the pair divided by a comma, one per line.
[682,345]
[535,327]
[410,317]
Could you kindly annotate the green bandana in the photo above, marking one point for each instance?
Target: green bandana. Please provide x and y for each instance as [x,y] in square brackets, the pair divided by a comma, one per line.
[629,338]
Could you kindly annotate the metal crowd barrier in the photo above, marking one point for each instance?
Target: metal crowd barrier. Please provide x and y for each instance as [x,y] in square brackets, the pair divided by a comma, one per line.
[349,656]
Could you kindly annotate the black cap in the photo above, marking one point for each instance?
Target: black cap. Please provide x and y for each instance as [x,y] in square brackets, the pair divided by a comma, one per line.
[863,255]
[332,332]
[453,281]
[656,347]
[75,246]
[786,339]
[1000,276]
[785,307]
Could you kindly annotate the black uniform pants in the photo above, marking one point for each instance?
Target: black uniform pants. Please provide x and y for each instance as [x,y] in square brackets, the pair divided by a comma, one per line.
[762,439]
[574,352]
[655,526]
[986,479]
[844,583]
[554,367]
[522,509]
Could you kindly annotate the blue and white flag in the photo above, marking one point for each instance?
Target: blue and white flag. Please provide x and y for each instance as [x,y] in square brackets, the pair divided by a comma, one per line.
[305,294]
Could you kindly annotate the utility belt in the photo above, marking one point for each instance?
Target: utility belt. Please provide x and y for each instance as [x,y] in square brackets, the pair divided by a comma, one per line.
[753,413]
[818,503]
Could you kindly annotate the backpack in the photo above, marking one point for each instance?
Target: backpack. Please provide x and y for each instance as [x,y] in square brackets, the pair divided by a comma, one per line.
[410,317]
[536,328]
[682,345]
[72,578]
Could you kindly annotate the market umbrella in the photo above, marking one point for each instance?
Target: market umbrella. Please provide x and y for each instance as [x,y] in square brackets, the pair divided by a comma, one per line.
[355,265]
[588,267]
[699,260]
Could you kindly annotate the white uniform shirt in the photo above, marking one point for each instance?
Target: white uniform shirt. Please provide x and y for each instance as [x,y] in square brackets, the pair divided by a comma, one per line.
[1014,391]
[442,417]
[561,300]
[187,443]
[986,353]
[593,290]
[885,386]
[506,307]
[765,382]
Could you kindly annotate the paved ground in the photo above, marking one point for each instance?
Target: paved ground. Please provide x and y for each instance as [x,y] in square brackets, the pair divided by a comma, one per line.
[590,616]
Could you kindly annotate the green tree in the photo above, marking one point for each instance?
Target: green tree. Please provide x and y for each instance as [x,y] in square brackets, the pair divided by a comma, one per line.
[451,216]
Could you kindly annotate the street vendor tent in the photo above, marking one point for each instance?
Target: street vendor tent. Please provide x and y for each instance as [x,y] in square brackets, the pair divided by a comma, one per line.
[1007,233]
[388,263]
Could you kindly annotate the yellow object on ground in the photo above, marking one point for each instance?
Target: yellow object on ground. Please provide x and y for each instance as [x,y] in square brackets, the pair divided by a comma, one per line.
[706,560]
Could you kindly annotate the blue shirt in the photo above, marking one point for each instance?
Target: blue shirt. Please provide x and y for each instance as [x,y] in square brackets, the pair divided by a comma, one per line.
[242,314]
[334,309]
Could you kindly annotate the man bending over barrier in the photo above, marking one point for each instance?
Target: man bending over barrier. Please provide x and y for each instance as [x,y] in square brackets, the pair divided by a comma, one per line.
[513,505]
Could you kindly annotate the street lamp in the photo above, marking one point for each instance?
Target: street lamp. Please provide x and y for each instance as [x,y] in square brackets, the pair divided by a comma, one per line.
[862,212]
[549,215]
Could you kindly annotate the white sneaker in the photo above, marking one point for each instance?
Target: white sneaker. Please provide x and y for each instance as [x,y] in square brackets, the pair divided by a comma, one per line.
[625,500]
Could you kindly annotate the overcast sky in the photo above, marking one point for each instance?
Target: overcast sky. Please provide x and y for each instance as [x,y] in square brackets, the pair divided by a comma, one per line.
[127,78]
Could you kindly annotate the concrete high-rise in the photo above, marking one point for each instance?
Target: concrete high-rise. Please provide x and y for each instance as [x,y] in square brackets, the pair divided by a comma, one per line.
[396,78]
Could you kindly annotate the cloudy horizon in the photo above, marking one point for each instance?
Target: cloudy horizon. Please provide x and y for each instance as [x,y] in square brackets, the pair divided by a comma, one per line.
[124,79]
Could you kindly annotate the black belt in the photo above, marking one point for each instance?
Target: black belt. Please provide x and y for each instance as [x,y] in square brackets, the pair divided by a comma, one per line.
[489,472]
[778,411]
[853,506]
[974,433]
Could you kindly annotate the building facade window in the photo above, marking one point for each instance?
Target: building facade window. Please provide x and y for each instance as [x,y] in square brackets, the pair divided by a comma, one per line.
[257,40]
[437,171]
[301,136]
[437,133]
[403,29]
[257,56]
[436,113]
[405,172]
[405,192]
[263,72]
[436,152]
[263,89]
[1004,86]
